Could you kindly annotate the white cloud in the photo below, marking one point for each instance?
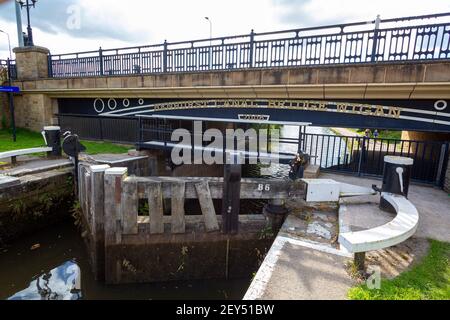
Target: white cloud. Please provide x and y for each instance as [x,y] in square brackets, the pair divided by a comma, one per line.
[137,22]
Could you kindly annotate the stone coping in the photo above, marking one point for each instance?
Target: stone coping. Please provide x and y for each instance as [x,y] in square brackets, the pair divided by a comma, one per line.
[31,49]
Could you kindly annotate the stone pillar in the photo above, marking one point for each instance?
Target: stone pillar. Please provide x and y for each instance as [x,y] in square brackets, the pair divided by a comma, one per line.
[31,62]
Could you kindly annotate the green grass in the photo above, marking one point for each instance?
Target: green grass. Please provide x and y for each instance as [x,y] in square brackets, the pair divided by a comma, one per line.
[29,139]
[428,280]
[104,147]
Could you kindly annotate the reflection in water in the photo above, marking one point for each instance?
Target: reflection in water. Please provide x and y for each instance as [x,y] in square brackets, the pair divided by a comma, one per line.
[24,274]
[61,283]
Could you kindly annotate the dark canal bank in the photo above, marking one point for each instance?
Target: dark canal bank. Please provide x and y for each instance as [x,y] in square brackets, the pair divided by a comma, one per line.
[54,260]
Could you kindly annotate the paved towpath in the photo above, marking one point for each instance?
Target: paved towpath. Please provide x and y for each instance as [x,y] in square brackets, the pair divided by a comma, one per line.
[297,268]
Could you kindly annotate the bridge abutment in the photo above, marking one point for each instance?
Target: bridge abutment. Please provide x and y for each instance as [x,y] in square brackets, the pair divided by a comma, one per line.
[432,136]
[34,111]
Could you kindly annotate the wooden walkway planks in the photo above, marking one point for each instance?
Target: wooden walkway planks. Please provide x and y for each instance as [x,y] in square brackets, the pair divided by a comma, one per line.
[130,207]
[178,217]
[155,206]
[207,206]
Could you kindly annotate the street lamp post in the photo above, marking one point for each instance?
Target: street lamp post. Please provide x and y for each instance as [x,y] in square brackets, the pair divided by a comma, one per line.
[210,29]
[27,5]
[210,42]
[9,43]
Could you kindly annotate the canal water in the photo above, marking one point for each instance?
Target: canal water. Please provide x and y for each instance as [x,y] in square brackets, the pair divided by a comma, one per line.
[53,264]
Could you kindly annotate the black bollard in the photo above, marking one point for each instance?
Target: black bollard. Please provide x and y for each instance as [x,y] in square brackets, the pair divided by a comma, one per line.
[275,212]
[72,147]
[52,136]
[396,178]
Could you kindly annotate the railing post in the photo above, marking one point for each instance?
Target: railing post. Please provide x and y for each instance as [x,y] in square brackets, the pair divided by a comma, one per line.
[100,126]
[251,51]
[375,38]
[165,57]
[100,55]
[361,154]
[11,101]
[140,134]
[50,66]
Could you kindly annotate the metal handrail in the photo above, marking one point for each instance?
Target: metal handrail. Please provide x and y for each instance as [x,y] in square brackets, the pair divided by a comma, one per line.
[297,30]
[358,42]
[11,68]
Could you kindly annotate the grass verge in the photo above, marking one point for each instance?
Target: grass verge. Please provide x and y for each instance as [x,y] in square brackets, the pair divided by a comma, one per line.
[427,280]
[29,139]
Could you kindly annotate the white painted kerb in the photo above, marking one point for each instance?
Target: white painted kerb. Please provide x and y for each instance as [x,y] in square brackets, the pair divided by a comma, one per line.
[398,230]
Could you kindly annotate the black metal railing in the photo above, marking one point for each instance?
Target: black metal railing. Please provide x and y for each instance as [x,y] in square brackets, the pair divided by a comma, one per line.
[350,154]
[401,39]
[120,130]
[365,156]
[354,155]
[10,68]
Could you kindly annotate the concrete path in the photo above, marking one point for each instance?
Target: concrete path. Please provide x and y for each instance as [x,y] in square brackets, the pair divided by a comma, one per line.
[347,132]
[433,205]
[298,268]
[303,273]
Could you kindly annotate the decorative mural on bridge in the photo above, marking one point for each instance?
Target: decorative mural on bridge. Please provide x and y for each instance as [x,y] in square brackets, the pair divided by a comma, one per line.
[421,115]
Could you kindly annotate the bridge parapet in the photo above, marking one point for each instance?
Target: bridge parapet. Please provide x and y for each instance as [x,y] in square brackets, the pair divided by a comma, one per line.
[400,39]
[398,80]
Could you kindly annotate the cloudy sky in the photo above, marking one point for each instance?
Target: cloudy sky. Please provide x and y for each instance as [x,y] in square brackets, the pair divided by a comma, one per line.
[77,25]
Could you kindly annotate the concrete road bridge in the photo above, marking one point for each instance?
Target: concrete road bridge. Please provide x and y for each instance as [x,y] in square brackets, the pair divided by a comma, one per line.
[385,74]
